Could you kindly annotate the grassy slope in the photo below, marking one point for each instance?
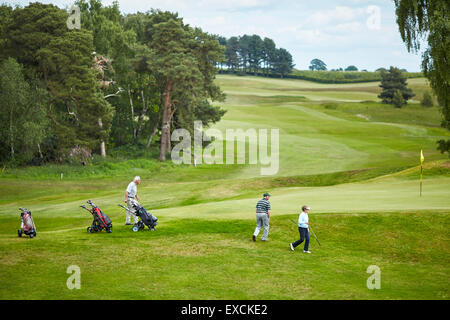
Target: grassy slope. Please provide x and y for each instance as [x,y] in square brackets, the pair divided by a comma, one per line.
[202,248]
[343,137]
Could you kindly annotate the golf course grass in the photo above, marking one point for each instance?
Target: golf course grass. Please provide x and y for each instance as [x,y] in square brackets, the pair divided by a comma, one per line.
[352,159]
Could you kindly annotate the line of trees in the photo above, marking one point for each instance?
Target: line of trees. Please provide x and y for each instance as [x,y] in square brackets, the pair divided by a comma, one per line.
[118,80]
[319,65]
[252,54]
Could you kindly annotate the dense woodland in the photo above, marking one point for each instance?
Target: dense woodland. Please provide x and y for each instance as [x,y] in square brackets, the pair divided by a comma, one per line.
[117,80]
[126,80]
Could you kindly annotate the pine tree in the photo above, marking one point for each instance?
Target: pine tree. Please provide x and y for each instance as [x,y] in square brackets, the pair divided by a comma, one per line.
[269,54]
[38,37]
[81,116]
[182,60]
[231,53]
[284,63]
[391,81]
[255,53]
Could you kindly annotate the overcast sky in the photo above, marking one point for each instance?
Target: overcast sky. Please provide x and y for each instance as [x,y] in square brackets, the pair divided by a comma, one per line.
[339,32]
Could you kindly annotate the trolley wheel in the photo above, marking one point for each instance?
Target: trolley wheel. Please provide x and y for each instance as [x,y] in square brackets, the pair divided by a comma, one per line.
[135,229]
[31,236]
[90,230]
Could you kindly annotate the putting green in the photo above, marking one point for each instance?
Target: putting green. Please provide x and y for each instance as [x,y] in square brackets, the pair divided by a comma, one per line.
[386,195]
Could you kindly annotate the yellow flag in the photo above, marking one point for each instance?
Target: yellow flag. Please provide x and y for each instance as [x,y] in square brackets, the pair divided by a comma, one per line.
[421,157]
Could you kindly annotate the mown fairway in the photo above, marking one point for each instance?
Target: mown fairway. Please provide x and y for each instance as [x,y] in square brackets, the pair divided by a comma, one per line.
[352,159]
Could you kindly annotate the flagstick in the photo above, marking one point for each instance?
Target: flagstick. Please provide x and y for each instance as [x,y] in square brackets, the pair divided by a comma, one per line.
[421,170]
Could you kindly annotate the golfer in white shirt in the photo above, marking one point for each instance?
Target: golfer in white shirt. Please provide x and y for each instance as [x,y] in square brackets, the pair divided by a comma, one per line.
[130,196]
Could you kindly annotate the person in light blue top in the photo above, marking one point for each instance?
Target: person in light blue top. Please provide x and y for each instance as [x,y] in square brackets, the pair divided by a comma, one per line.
[303,223]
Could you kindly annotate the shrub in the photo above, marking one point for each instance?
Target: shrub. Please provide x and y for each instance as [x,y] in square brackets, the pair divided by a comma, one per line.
[427,100]
[330,105]
[79,155]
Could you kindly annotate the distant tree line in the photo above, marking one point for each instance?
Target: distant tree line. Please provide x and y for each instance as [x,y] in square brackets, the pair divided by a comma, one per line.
[251,54]
[319,65]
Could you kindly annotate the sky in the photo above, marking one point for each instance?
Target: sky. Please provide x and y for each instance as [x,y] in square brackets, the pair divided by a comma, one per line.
[363,33]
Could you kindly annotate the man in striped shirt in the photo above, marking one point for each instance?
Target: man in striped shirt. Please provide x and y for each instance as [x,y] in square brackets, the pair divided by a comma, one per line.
[262,217]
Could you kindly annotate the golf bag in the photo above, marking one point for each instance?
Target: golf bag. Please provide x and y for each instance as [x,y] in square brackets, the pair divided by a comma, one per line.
[101,221]
[145,218]
[27,226]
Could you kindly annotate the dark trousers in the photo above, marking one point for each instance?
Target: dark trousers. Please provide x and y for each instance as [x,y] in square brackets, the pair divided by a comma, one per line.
[304,236]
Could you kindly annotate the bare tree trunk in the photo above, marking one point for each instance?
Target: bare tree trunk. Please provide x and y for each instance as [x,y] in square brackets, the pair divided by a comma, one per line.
[11,134]
[12,148]
[141,116]
[165,127]
[40,152]
[103,149]
[149,142]
[132,112]
[102,142]
[154,130]
[169,142]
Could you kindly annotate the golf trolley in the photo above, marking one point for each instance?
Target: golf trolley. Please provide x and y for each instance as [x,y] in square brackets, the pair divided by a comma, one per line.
[27,226]
[101,221]
[145,218]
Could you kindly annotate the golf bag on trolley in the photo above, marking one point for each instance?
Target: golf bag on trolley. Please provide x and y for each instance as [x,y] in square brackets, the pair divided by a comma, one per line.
[101,221]
[27,226]
[145,218]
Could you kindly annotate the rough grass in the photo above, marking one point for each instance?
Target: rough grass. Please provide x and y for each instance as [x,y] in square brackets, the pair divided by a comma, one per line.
[411,114]
[216,259]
